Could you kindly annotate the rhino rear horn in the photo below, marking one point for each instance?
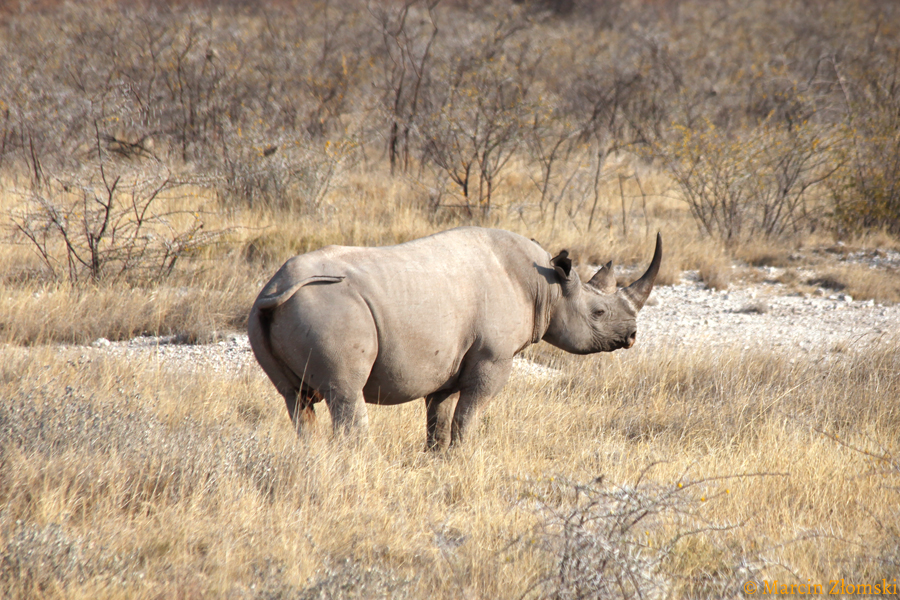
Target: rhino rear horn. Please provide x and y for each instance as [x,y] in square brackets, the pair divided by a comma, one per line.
[604,280]
[639,291]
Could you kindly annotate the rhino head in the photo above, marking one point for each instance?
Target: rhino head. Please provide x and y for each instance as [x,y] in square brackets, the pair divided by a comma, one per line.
[596,316]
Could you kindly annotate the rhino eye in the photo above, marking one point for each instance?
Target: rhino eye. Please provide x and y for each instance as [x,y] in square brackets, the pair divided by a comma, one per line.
[598,312]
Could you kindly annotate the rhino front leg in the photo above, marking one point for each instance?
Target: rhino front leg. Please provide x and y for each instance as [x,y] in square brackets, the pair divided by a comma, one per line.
[482,383]
[439,407]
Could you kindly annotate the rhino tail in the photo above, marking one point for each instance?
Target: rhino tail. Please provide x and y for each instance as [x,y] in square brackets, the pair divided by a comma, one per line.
[272,301]
[288,383]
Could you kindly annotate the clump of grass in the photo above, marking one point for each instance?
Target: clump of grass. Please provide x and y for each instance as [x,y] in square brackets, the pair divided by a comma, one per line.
[715,272]
[789,277]
[830,281]
[861,282]
[770,254]
[864,283]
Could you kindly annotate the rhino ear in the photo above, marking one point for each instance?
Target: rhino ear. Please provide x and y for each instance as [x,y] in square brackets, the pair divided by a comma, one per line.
[568,277]
[604,280]
[562,263]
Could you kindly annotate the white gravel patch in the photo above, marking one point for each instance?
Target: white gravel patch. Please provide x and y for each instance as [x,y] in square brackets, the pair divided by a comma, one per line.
[527,369]
[228,357]
[764,316]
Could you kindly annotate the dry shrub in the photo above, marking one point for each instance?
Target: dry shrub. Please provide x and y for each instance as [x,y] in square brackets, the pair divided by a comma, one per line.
[789,277]
[616,541]
[789,161]
[829,281]
[715,272]
[275,105]
[874,240]
[121,225]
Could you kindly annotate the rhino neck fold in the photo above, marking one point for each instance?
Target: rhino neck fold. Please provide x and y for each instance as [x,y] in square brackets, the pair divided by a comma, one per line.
[544,300]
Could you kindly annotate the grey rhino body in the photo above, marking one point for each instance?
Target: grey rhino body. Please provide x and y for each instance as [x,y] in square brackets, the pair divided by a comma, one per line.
[439,318]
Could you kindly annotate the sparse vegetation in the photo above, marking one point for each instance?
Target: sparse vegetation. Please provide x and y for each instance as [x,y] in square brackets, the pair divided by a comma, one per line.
[158,161]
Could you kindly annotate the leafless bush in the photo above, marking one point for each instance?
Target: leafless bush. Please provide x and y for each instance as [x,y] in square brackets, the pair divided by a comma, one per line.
[407,41]
[462,89]
[867,194]
[180,77]
[628,99]
[569,169]
[472,138]
[475,116]
[620,541]
[286,172]
[110,222]
[754,183]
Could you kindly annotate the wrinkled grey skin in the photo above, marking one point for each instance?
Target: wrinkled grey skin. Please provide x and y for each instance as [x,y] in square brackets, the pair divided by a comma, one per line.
[439,318]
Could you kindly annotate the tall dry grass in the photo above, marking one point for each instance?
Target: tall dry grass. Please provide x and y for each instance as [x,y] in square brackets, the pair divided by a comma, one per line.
[123,479]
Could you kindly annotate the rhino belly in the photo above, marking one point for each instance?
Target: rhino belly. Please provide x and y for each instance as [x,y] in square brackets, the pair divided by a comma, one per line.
[398,379]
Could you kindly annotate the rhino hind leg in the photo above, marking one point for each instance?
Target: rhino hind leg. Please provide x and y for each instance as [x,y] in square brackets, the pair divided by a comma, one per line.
[301,409]
[348,411]
[478,384]
[297,399]
[439,407]
[320,344]
[326,338]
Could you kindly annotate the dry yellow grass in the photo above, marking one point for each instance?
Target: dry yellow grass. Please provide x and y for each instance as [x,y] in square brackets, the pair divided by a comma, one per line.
[864,283]
[127,480]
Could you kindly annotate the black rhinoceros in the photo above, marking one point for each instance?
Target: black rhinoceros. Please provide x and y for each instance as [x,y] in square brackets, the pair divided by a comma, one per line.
[438,318]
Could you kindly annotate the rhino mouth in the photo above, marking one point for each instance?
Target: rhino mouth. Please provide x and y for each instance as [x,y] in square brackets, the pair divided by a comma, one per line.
[610,344]
[623,343]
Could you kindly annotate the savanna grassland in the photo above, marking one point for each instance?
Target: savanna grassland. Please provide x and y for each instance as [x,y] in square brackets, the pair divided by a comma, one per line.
[158,162]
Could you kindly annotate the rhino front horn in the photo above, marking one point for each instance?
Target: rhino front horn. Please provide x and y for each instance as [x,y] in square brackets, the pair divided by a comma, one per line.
[639,291]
